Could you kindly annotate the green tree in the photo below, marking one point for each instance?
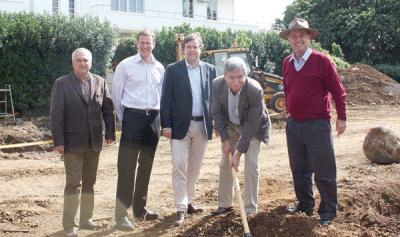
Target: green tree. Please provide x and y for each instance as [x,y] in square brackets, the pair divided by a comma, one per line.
[367,30]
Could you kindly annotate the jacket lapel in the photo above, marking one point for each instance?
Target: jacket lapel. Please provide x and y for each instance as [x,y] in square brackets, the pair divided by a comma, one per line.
[93,86]
[76,85]
[186,76]
[224,94]
[242,99]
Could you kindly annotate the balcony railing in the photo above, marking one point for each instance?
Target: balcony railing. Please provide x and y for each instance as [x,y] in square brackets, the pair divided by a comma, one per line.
[170,14]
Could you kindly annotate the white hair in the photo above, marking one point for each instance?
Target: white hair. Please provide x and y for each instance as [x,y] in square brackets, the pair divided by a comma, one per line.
[82,51]
[234,64]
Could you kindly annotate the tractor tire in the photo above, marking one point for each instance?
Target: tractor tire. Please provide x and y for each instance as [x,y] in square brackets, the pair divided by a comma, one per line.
[277,102]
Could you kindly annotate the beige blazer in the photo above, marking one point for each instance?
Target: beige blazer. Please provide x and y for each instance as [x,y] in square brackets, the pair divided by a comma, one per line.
[254,117]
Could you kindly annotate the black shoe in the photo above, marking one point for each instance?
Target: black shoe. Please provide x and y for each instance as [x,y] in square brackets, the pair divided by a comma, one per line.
[221,210]
[180,217]
[71,232]
[307,211]
[147,214]
[90,225]
[192,209]
[124,224]
[325,221]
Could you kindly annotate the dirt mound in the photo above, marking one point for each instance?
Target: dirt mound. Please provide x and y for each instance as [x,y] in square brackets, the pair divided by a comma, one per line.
[367,86]
[29,131]
[376,209]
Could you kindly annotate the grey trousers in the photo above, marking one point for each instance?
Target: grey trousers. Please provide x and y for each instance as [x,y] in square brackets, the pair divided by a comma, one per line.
[251,174]
[310,149]
[80,172]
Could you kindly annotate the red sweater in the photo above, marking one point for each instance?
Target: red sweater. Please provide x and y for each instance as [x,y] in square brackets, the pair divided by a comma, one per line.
[308,91]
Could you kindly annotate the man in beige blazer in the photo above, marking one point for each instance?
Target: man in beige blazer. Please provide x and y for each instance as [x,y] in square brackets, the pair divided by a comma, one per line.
[242,120]
[79,102]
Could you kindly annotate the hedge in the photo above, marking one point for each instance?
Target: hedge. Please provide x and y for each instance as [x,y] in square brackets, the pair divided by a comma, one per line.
[392,71]
[267,47]
[36,49]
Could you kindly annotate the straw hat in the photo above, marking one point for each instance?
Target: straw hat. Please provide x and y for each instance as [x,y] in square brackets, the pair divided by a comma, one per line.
[302,24]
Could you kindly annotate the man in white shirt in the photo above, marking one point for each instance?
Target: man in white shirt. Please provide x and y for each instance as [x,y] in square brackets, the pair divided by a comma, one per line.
[136,95]
[186,120]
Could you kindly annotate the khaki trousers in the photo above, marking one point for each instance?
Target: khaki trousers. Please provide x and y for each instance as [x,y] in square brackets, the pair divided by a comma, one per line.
[80,172]
[251,174]
[187,158]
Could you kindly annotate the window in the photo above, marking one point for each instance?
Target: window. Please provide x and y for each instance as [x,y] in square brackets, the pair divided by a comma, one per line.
[187,8]
[136,6]
[71,7]
[54,7]
[114,5]
[212,10]
[127,5]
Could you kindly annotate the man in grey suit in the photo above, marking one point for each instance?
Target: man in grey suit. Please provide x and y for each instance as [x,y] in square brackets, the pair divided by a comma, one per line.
[242,120]
[79,101]
[186,120]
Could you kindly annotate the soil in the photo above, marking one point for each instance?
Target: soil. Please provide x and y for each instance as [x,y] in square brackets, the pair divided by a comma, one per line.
[369,194]
[367,86]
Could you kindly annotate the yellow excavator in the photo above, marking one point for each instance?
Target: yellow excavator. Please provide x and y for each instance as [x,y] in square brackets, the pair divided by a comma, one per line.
[272,84]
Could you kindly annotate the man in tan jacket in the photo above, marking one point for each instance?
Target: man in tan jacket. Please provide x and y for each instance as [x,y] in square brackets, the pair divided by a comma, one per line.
[242,120]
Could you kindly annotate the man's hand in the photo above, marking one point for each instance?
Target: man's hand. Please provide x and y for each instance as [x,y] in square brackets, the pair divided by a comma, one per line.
[227,147]
[340,126]
[59,149]
[216,132]
[109,142]
[236,160]
[167,132]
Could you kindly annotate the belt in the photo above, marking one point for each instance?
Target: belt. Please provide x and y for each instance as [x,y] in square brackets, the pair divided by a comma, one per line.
[142,111]
[197,118]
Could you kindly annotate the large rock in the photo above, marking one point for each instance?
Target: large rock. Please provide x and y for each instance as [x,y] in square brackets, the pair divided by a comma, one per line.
[382,146]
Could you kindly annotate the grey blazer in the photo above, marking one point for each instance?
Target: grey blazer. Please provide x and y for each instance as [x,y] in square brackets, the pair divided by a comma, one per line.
[76,124]
[254,117]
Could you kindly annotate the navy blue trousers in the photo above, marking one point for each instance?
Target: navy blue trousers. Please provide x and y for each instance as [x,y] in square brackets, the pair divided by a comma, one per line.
[139,139]
[310,149]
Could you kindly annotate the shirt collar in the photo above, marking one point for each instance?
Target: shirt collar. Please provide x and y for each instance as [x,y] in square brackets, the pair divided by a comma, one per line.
[237,94]
[137,58]
[305,56]
[190,66]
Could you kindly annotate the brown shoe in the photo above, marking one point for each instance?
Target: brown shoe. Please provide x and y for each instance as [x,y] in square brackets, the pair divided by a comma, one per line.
[147,214]
[221,210]
[192,209]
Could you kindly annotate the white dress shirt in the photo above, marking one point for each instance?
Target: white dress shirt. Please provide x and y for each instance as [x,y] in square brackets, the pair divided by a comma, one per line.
[298,65]
[137,84]
[233,107]
[195,85]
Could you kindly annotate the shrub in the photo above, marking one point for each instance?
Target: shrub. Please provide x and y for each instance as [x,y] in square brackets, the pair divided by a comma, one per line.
[392,71]
[36,49]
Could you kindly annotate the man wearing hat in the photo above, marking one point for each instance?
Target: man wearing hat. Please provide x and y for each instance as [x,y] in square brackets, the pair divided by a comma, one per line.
[310,80]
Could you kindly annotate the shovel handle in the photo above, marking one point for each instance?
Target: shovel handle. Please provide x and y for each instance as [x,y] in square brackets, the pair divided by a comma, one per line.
[240,200]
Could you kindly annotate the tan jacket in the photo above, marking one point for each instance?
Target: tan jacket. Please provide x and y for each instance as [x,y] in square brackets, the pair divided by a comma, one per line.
[254,117]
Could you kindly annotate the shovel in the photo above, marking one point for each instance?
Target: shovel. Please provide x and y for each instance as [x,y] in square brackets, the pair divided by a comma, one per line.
[240,199]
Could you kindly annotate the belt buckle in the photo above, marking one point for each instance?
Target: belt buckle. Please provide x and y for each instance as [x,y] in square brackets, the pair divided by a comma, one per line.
[147,112]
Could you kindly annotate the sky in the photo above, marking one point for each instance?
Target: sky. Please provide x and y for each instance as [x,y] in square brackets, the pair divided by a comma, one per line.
[262,11]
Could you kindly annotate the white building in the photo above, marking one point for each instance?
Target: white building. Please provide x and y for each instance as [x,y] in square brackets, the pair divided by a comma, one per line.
[131,15]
